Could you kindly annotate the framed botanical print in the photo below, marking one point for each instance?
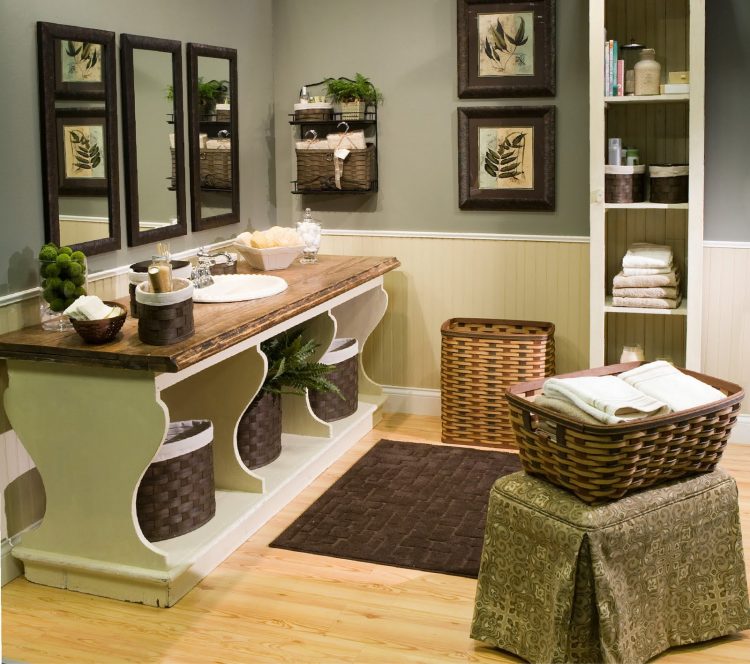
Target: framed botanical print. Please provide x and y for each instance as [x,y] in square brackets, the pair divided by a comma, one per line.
[82,151]
[506,158]
[506,48]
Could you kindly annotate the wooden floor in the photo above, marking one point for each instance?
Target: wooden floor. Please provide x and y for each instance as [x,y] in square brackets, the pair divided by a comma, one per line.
[270,605]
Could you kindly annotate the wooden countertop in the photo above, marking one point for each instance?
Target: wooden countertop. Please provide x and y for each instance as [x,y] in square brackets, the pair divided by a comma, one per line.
[217,326]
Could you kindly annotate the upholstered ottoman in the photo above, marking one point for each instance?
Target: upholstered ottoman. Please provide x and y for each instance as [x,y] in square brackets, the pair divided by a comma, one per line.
[562,581]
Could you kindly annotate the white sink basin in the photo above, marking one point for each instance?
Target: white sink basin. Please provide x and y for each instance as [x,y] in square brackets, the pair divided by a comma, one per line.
[240,287]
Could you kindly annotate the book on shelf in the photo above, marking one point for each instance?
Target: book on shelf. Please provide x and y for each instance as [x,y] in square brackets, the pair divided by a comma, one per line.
[614,70]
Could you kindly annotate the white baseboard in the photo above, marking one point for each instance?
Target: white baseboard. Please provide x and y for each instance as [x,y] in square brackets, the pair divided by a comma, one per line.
[10,567]
[412,400]
[741,432]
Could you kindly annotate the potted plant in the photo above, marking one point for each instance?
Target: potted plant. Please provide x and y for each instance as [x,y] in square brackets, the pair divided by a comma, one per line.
[353,96]
[290,371]
[209,94]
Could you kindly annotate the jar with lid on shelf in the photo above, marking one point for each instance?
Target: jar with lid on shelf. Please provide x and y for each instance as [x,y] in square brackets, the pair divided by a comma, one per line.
[647,73]
[309,231]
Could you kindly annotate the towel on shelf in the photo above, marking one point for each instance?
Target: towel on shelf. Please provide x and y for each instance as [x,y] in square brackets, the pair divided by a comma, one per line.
[646,271]
[652,281]
[669,292]
[647,302]
[605,398]
[660,380]
[566,409]
[642,254]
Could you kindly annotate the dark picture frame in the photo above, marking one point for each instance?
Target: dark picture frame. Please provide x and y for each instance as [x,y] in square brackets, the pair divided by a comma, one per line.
[84,52]
[506,158]
[93,147]
[500,54]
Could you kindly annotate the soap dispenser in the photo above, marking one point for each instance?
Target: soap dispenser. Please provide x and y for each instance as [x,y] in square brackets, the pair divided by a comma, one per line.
[309,231]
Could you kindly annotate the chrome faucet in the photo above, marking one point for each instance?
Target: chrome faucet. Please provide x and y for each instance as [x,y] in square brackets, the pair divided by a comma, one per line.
[201,275]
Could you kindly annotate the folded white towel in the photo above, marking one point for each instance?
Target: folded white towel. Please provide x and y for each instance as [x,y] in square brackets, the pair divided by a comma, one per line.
[565,408]
[642,254]
[646,271]
[88,307]
[647,302]
[662,381]
[647,281]
[664,292]
[605,398]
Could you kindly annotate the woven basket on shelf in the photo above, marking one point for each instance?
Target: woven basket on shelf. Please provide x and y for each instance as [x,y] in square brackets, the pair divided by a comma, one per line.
[669,184]
[176,494]
[315,169]
[215,170]
[353,110]
[624,184]
[343,354]
[223,115]
[313,114]
[479,359]
[604,463]
[259,431]
[165,318]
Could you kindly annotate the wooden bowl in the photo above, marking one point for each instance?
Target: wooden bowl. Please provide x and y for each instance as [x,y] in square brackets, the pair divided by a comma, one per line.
[100,331]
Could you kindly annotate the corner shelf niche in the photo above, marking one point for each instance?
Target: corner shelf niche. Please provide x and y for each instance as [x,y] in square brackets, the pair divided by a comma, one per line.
[666,129]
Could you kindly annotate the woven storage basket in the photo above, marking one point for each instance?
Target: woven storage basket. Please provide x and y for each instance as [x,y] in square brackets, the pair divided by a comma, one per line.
[259,431]
[216,168]
[223,115]
[669,184]
[481,358]
[165,318]
[315,170]
[176,494]
[313,114]
[343,354]
[624,184]
[604,463]
[353,110]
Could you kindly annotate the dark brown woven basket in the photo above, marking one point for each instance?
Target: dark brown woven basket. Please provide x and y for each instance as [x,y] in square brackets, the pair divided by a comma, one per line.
[670,190]
[605,463]
[133,301]
[161,326]
[624,188]
[223,115]
[313,114]
[315,169]
[259,431]
[329,406]
[215,168]
[100,331]
[479,359]
[177,495]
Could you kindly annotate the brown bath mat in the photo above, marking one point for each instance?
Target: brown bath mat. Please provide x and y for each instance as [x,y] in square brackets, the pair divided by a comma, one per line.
[405,504]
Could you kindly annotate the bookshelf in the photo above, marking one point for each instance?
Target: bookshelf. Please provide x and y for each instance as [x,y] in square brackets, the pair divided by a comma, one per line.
[667,128]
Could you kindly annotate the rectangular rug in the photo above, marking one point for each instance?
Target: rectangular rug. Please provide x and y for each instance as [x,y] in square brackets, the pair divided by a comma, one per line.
[405,504]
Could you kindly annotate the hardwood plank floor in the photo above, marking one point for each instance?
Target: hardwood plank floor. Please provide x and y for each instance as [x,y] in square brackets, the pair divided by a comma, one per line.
[271,605]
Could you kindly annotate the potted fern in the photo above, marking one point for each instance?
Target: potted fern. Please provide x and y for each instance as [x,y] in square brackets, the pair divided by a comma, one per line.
[353,96]
[290,371]
[209,94]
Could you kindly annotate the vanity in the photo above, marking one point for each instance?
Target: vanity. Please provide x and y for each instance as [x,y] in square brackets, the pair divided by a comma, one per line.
[93,417]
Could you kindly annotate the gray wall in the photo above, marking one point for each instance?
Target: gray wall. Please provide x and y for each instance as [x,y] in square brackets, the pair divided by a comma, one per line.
[241,24]
[408,49]
[727,126]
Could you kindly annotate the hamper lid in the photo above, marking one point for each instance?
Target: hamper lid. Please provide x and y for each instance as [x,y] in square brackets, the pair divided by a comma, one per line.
[185,437]
[625,170]
[668,170]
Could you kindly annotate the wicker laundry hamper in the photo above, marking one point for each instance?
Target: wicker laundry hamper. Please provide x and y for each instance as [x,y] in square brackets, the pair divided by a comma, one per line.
[177,492]
[479,360]
[316,169]
[343,354]
[259,431]
[165,318]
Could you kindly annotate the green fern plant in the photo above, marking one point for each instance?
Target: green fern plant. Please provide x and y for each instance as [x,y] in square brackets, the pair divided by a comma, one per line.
[342,90]
[290,366]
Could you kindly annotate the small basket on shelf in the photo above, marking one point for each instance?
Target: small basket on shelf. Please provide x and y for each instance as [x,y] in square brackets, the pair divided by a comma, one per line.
[607,462]
[316,169]
[624,184]
[313,112]
[669,183]
[101,330]
[165,318]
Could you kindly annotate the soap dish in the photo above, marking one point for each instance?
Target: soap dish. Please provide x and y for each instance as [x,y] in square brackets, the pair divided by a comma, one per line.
[102,330]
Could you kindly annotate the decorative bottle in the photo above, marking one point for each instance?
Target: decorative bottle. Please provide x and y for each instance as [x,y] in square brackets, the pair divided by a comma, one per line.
[647,73]
[309,230]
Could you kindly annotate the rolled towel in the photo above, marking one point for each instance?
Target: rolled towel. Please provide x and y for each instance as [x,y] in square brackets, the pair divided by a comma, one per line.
[652,281]
[89,307]
[566,409]
[642,254]
[669,292]
[662,381]
[646,271]
[647,302]
[605,398]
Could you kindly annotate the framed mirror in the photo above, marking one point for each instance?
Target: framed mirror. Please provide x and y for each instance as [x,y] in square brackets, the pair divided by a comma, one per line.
[151,72]
[78,119]
[213,136]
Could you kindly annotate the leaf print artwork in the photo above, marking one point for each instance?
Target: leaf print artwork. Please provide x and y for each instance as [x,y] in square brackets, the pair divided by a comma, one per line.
[506,44]
[81,62]
[84,156]
[506,158]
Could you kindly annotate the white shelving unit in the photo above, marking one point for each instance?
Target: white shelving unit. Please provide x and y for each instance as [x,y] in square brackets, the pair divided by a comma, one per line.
[666,129]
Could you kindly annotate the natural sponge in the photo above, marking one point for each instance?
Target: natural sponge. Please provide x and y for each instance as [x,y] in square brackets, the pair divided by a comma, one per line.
[63,273]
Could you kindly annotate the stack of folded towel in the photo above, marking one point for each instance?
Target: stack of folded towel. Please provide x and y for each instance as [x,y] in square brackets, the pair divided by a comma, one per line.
[648,278]
[650,390]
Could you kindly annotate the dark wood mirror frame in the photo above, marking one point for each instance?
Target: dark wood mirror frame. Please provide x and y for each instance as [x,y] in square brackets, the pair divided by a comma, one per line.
[129,42]
[194,51]
[50,90]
